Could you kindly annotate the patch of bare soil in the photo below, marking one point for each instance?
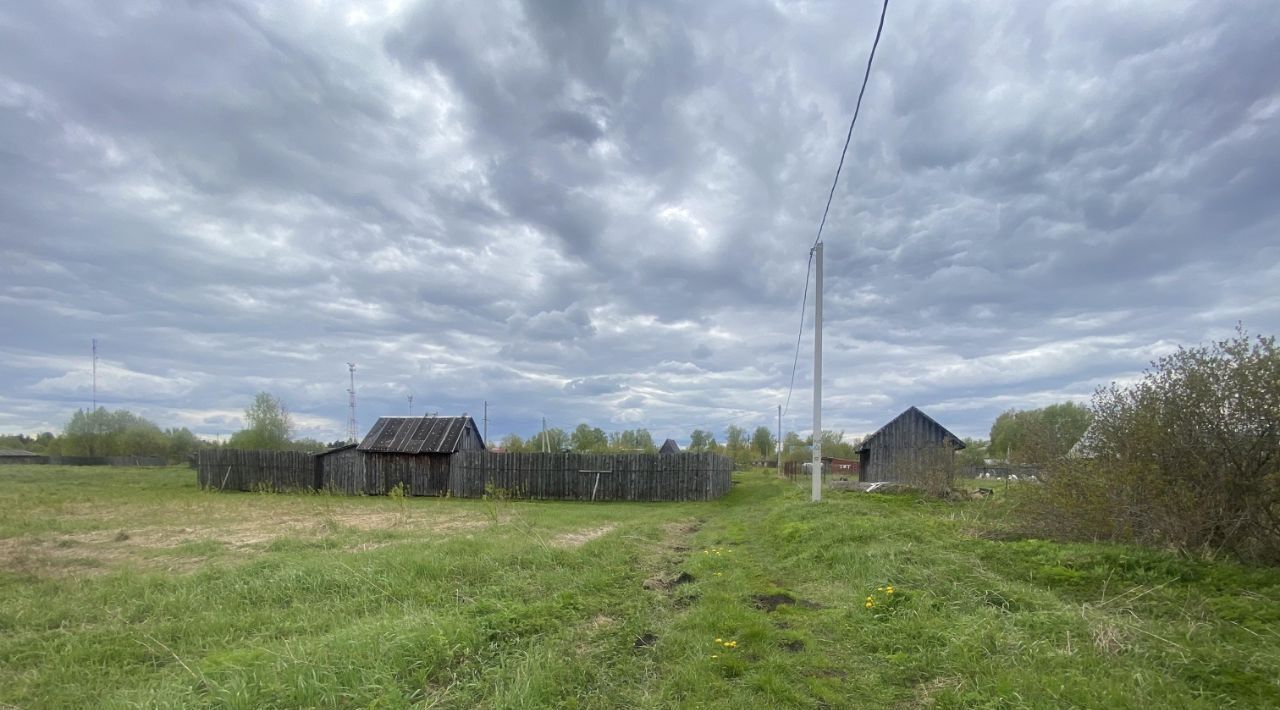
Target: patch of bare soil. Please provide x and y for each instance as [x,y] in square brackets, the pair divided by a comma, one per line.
[101,551]
[581,537]
[67,557]
[771,602]
[682,528]
[664,583]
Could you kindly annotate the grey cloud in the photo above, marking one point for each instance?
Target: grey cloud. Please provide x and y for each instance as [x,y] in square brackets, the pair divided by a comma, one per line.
[488,202]
[591,386]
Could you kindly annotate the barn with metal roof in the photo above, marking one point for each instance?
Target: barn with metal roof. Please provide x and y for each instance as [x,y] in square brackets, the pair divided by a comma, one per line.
[412,453]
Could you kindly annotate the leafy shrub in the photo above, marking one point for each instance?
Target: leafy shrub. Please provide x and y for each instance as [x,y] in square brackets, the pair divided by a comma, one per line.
[1188,457]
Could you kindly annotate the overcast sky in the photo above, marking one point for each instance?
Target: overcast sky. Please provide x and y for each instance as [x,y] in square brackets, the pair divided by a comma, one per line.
[602,211]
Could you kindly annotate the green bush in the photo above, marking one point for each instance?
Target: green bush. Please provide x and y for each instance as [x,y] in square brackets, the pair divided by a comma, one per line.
[1186,458]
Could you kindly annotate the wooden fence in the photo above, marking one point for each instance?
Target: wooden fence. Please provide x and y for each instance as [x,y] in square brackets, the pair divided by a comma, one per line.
[572,476]
[473,474]
[237,470]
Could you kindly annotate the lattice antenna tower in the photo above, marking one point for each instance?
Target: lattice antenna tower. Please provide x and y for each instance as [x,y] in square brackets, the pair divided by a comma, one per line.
[352,429]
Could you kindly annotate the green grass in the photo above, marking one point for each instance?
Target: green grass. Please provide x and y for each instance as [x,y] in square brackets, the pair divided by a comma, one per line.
[125,588]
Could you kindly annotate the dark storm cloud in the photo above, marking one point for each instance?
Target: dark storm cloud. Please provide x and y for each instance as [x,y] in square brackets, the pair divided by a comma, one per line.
[601,211]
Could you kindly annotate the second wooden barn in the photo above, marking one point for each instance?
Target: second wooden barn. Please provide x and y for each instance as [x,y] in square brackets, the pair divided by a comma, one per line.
[411,452]
[903,449]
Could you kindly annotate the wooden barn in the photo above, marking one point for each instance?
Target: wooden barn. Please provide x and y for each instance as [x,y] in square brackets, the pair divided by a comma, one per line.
[669,447]
[412,452]
[910,446]
[19,456]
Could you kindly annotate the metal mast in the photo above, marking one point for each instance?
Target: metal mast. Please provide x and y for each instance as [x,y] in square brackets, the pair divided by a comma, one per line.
[352,429]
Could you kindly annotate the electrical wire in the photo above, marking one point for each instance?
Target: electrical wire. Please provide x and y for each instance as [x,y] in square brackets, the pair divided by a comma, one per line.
[804,301]
[856,109]
[866,75]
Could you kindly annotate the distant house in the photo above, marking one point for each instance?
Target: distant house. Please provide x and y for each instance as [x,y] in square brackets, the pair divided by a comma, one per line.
[410,452]
[669,447]
[839,467]
[910,445]
[20,456]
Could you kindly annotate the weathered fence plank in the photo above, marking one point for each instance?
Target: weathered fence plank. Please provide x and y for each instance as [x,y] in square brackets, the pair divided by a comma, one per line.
[472,474]
[573,476]
[233,469]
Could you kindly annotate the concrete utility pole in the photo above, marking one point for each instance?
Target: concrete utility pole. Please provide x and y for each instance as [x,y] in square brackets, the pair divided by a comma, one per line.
[546,447]
[817,377]
[779,440]
[411,405]
[486,423]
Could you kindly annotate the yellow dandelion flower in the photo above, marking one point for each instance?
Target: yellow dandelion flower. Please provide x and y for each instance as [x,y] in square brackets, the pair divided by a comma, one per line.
[879,589]
[869,604]
[719,640]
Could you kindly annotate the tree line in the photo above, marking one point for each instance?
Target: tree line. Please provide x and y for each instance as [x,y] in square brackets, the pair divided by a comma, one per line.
[1030,436]
[738,444]
[104,432]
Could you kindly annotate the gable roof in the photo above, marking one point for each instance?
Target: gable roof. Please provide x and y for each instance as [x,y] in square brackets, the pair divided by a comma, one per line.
[669,447]
[912,412]
[417,435]
[17,452]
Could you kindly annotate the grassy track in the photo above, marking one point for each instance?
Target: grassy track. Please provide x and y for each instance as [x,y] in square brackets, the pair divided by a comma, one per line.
[124,588]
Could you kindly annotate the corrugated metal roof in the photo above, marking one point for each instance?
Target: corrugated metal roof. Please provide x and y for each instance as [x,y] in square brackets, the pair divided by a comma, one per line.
[416,435]
[17,452]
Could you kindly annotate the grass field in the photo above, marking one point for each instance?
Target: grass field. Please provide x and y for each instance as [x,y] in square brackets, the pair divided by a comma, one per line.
[124,588]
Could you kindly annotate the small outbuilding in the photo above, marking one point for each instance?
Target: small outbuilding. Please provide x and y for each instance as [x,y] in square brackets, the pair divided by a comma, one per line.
[907,449]
[415,452]
[669,447]
[19,456]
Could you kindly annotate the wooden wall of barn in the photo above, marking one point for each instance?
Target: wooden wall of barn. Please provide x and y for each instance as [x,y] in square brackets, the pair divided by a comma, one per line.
[905,447]
[574,476]
[343,472]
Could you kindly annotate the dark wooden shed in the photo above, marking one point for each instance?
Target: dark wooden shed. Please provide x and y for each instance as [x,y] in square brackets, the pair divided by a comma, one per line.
[341,470]
[910,446]
[414,452]
[669,447]
[19,456]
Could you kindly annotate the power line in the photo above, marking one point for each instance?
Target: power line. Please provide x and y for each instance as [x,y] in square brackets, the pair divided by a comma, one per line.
[866,75]
[857,107]
[804,301]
